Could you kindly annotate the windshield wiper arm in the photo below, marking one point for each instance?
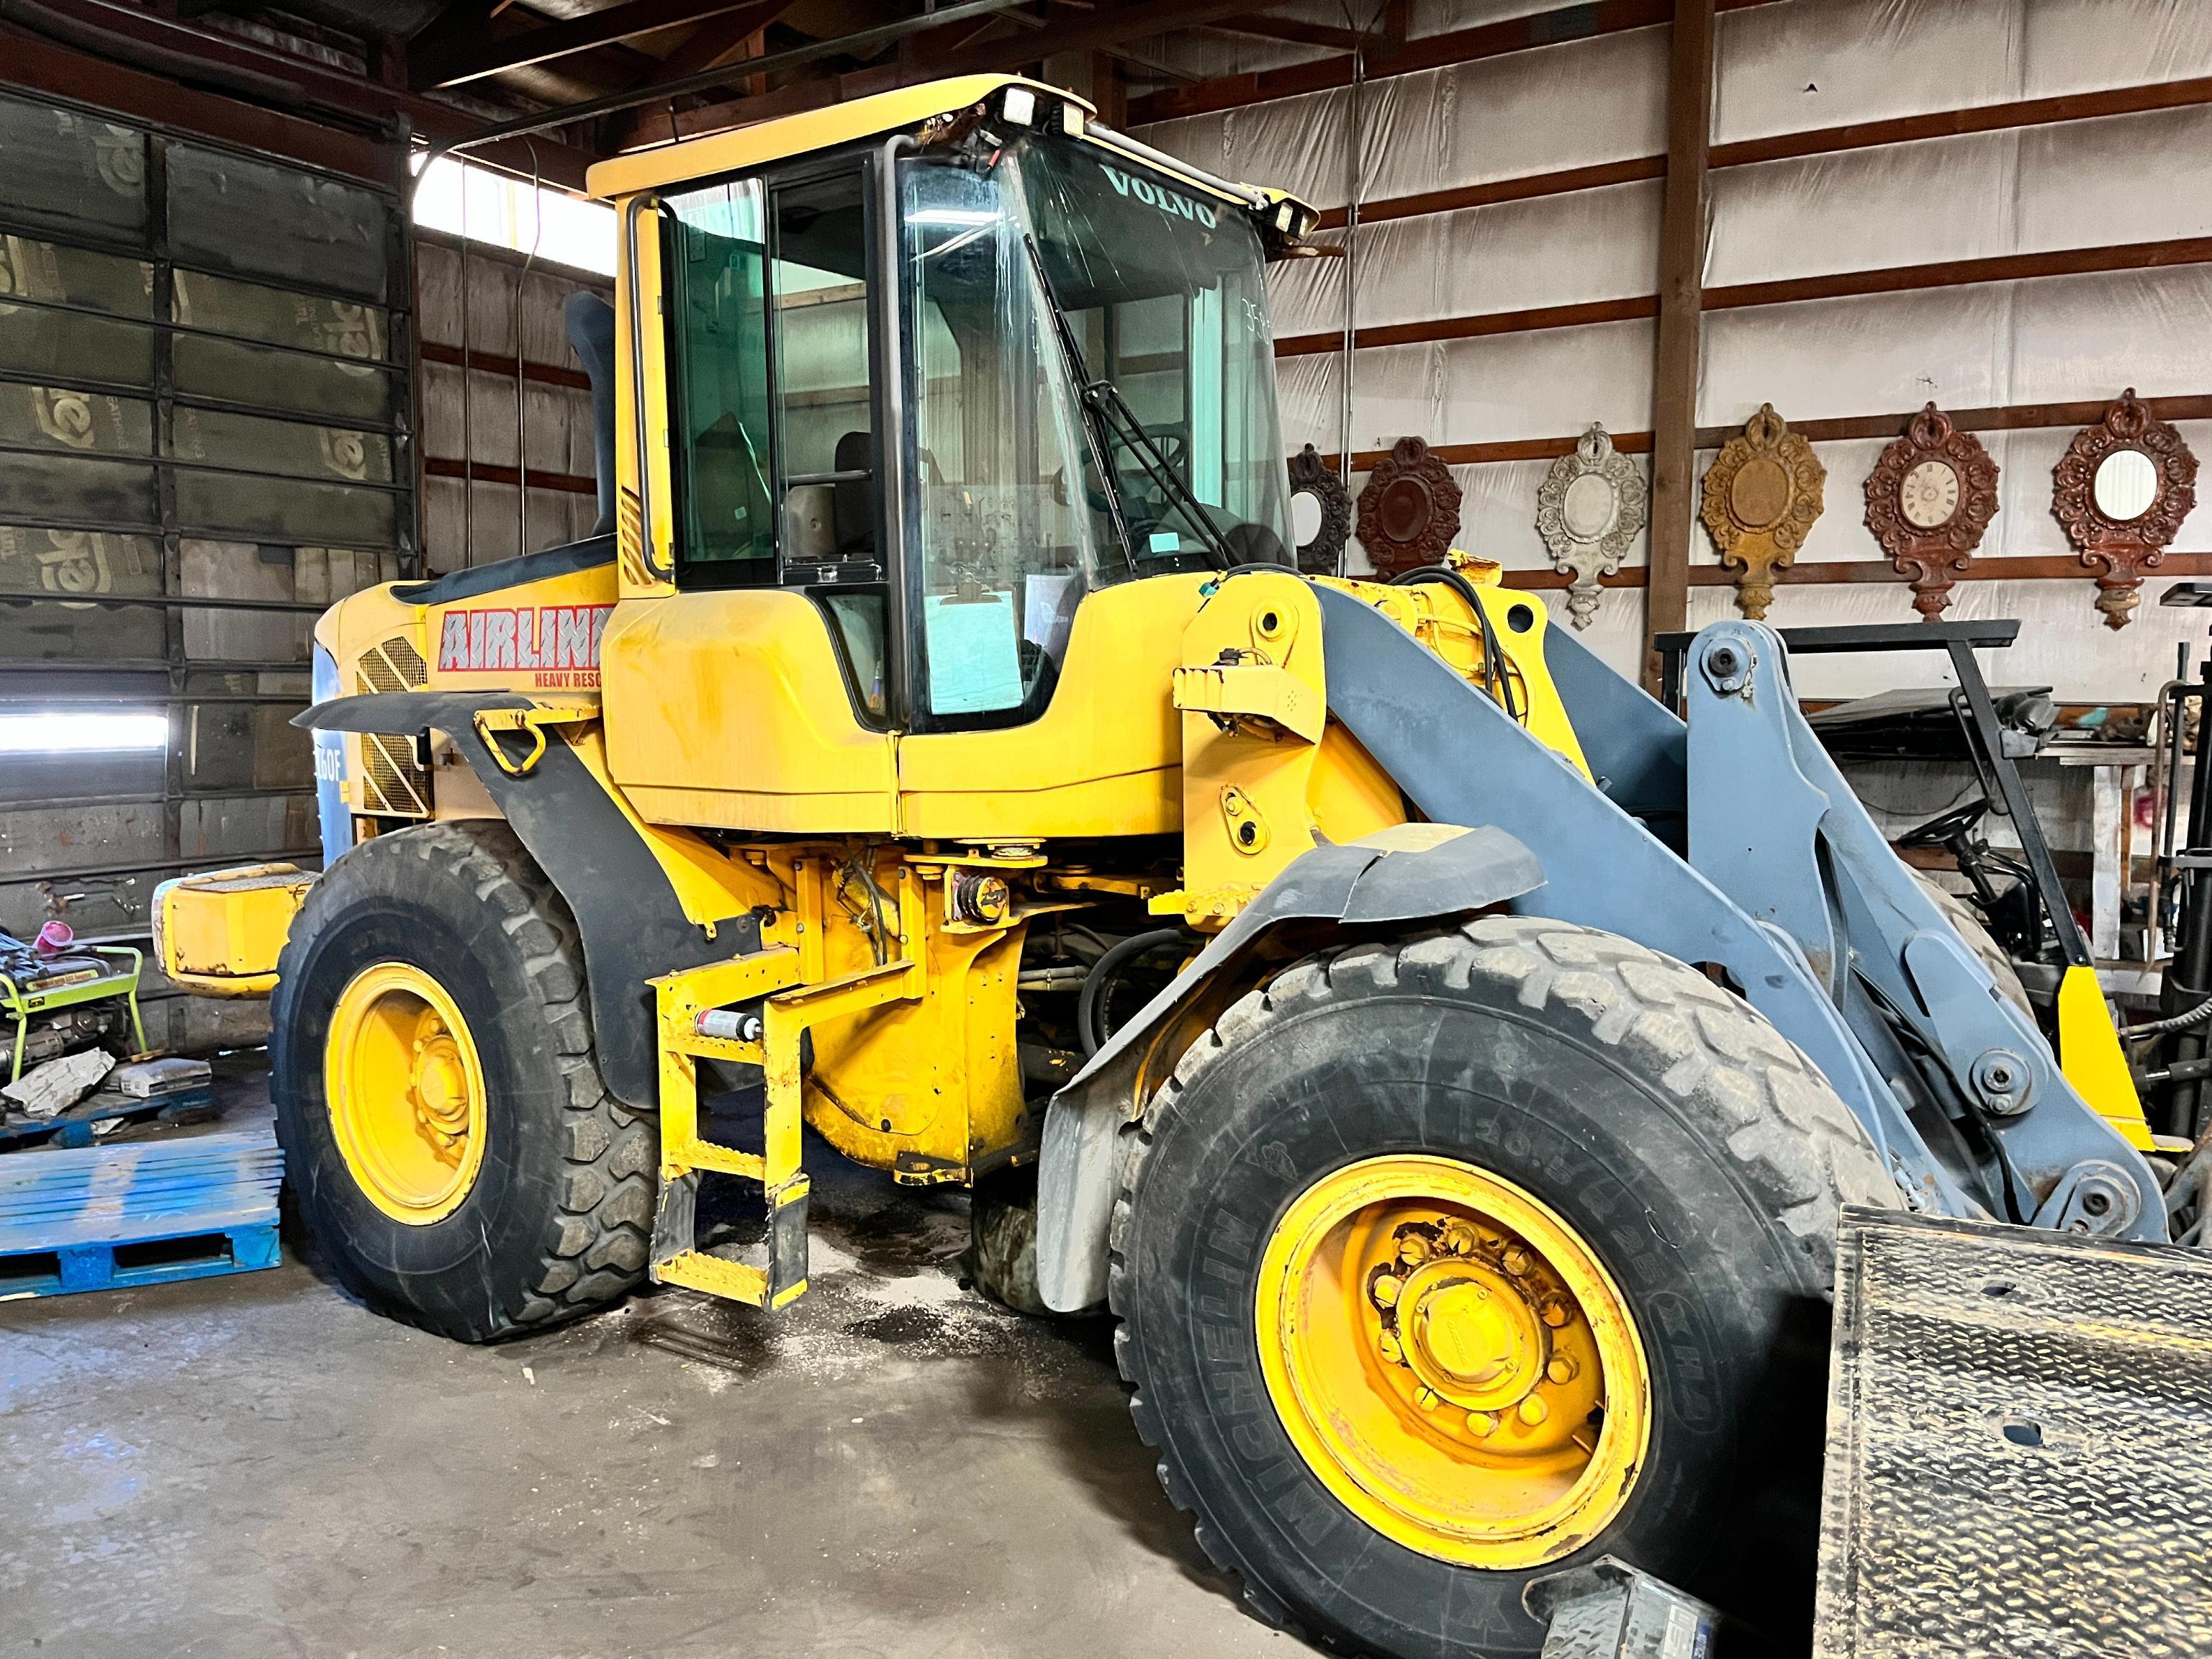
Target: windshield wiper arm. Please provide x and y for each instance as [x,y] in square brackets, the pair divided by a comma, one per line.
[1071,351]
[1108,414]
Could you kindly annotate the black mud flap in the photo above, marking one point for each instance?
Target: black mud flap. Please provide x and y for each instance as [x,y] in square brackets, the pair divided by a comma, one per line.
[676,1223]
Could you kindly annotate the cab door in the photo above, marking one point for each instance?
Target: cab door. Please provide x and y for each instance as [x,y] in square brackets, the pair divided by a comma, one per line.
[747,680]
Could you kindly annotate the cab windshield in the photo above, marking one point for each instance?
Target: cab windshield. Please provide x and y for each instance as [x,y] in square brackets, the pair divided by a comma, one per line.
[1025,497]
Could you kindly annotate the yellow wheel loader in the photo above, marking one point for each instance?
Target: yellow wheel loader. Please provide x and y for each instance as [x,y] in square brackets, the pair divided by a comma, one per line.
[1447,1063]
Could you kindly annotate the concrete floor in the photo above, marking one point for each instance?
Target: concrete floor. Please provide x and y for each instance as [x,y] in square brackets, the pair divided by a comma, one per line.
[257,1465]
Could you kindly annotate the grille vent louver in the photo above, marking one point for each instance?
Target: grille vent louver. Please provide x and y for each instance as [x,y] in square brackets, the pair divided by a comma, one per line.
[392,783]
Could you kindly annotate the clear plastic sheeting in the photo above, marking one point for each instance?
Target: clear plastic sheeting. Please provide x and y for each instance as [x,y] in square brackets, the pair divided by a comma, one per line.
[1427,17]
[1486,390]
[1575,105]
[2053,339]
[2121,180]
[1800,67]
[1511,256]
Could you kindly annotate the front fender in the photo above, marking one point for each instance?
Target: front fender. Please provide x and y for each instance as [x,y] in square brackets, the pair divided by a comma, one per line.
[1410,873]
[632,923]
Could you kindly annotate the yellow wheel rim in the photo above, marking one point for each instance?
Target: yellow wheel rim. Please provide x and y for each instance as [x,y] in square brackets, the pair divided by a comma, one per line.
[1453,1361]
[406,1092]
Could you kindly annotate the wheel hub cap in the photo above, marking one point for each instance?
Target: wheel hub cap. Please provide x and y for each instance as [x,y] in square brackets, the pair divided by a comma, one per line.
[1469,1335]
[406,1090]
[1453,1361]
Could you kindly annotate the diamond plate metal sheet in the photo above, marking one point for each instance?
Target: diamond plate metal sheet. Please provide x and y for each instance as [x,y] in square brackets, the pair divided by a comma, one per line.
[2019,1446]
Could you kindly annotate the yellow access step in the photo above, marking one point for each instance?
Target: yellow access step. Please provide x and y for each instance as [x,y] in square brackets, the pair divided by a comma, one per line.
[751,1009]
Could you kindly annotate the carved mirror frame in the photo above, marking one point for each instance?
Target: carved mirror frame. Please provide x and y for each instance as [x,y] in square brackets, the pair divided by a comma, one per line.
[2119,550]
[1310,475]
[1590,509]
[1409,509]
[1760,497]
[1934,556]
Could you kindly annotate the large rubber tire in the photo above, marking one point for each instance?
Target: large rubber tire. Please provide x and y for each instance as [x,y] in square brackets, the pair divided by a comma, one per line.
[1979,940]
[1002,1241]
[558,1221]
[1701,1156]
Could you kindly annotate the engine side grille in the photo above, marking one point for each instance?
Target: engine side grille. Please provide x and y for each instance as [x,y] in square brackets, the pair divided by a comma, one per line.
[392,782]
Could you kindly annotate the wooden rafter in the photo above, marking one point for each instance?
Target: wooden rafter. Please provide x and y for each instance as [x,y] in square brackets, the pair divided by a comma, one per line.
[455,62]
[722,39]
[1101,30]
[1288,28]
[1388,57]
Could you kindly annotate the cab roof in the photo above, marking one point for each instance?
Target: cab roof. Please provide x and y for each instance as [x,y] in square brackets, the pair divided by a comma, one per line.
[805,134]
[745,148]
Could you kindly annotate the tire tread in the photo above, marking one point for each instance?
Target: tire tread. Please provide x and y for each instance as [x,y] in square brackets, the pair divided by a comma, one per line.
[597,1241]
[1794,1142]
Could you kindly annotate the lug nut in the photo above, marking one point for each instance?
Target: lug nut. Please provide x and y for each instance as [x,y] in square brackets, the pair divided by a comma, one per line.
[1388,1346]
[1556,1313]
[1458,1238]
[1515,1260]
[1414,1248]
[1561,1369]
[1385,1291]
[1531,1410]
[1482,1423]
[1427,1398]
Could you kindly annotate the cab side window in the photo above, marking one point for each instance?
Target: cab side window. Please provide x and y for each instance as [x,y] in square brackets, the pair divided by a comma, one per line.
[715,274]
[772,419]
[826,425]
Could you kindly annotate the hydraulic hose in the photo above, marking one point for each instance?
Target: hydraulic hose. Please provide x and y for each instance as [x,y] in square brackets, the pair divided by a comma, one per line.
[2180,1022]
[1496,679]
[1089,1006]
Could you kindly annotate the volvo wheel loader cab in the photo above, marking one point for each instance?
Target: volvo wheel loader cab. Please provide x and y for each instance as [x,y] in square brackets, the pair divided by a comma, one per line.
[1445,1062]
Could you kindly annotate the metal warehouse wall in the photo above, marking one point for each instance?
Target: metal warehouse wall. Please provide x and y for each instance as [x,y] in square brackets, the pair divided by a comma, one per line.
[206,420]
[2001,207]
[473,481]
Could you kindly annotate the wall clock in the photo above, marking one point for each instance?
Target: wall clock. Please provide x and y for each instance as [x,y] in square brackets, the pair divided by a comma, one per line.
[2121,491]
[1761,495]
[1409,510]
[1588,510]
[1929,499]
[1321,513]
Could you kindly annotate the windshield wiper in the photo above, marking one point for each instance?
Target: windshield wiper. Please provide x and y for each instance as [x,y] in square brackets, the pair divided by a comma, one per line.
[1108,419]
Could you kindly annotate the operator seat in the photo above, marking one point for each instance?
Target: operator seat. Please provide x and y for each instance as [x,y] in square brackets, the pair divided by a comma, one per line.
[852,501]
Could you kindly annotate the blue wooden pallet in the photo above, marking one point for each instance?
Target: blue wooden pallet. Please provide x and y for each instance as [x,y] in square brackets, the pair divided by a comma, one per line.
[73,1127]
[104,1217]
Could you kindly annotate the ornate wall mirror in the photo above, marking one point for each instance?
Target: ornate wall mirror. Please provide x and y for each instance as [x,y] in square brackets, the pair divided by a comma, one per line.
[1929,499]
[1321,513]
[1588,510]
[2121,491]
[2125,485]
[1409,511]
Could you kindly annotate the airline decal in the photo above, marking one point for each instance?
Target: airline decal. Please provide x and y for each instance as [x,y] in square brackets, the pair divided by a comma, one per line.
[560,643]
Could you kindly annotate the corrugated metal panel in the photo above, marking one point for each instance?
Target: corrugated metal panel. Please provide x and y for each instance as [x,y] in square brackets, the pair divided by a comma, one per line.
[204,393]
